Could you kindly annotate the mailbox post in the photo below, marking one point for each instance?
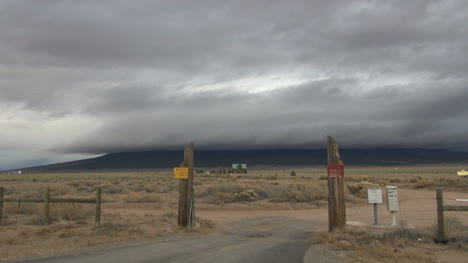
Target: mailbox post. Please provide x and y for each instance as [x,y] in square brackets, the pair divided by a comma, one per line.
[392,202]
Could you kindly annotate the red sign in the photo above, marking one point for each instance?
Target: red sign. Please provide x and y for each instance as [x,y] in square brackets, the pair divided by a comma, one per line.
[335,170]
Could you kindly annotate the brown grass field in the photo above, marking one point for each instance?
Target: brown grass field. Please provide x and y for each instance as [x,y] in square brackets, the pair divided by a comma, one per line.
[140,205]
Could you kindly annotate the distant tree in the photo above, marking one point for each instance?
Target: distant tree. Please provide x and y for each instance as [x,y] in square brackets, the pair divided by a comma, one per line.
[293,173]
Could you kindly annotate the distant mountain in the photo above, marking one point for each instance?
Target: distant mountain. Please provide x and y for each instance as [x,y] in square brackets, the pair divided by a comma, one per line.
[167,159]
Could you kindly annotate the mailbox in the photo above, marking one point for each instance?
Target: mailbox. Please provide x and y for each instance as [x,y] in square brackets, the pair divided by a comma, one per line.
[392,198]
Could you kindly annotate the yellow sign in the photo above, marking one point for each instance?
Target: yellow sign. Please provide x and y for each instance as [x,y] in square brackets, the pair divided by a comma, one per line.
[462,173]
[181,173]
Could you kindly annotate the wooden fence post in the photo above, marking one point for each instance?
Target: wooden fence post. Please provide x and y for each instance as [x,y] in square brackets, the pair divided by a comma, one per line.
[336,204]
[47,205]
[98,205]
[441,236]
[1,203]
[191,200]
[186,214]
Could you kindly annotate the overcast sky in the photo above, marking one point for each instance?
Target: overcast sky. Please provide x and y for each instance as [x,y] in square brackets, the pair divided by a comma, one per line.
[92,77]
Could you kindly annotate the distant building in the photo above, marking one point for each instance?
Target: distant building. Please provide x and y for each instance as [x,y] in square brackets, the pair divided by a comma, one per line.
[463,173]
[239,168]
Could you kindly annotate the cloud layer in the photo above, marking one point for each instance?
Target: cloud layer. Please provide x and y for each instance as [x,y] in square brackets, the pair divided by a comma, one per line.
[96,77]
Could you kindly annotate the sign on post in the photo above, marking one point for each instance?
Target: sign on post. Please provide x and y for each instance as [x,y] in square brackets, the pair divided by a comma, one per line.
[335,170]
[374,195]
[181,173]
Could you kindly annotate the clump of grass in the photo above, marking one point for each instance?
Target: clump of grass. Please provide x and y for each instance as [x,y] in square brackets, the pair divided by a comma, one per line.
[220,198]
[204,225]
[360,189]
[323,178]
[370,245]
[67,212]
[61,212]
[423,183]
[298,193]
[23,209]
[141,197]
[457,233]
[247,196]
[225,188]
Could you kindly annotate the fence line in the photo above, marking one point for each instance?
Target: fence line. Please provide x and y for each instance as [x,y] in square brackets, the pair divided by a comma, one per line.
[441,208]
[47,200]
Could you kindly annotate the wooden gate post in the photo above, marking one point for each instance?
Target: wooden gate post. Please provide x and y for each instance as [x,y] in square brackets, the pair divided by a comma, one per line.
[441,236]
[1,203]
[186,215]
[98,205]
[47,205]
[336,203]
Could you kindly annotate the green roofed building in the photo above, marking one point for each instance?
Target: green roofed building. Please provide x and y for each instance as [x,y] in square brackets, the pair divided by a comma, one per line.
[239,168]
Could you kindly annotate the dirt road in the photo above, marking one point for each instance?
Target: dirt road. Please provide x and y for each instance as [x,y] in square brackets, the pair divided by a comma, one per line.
[266,239]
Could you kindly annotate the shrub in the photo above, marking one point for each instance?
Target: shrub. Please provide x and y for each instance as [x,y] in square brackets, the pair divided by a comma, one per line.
[220,198]
[141,197]
[360,189]
[247,196]
[298,193]
[293,173]
[225,188]
[423,183]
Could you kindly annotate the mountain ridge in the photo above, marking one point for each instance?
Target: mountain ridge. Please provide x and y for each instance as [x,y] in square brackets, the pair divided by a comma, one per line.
[277,157]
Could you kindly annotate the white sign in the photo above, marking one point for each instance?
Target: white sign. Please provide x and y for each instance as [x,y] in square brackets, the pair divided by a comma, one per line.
[374,194]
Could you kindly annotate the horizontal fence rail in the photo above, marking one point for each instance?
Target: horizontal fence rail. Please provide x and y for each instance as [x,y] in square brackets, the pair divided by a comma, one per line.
[47,200]
[51,200]
[455,208]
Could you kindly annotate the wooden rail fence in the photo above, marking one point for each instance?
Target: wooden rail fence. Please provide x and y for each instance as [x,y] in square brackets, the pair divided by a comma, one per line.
[47,200]
[441,236]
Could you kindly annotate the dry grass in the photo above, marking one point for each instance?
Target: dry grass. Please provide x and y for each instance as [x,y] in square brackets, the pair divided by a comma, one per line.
[141,197]
[131,198]
[366,244]
[372,245]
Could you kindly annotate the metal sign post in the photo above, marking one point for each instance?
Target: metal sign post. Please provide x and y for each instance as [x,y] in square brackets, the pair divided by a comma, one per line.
[374,195]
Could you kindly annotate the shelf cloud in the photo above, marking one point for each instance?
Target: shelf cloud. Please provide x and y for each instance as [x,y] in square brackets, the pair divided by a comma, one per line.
[92,77]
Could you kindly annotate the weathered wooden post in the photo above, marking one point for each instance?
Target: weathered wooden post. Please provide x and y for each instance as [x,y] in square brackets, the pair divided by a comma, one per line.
[1,203]
[47,205]
[98,205]
[186,215]
[440,236]
[336,204]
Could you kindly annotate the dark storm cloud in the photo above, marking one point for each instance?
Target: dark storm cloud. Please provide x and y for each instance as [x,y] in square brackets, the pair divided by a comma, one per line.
[156,74]
[294,117]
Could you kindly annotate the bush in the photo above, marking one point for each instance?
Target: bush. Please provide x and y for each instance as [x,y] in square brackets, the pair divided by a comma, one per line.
[62,212]
[247,196]
[140,197]
[293,173]
[220,198]
[298,193]
[360,189]
[423,183]
[225,188]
